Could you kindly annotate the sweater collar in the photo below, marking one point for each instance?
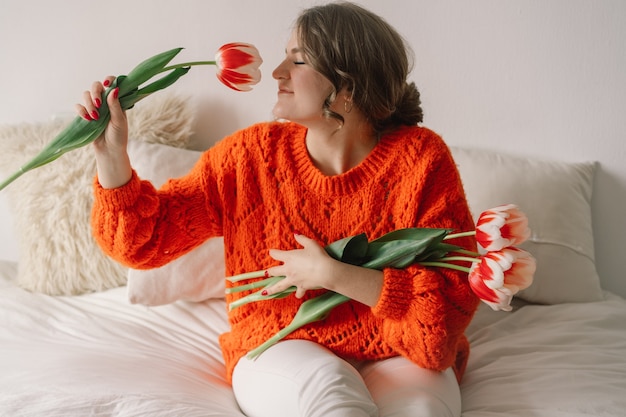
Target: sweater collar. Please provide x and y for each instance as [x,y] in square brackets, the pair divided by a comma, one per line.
[376,163]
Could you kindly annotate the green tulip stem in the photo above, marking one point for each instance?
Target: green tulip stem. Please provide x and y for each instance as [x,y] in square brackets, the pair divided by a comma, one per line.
[467,252]
[247,275]
[258,295]
[254,285]
[460,234]
[446,265]
[11,178]
[459,258]
[188,64]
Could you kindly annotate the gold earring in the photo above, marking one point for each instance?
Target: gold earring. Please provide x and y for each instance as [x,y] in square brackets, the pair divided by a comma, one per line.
[347,106]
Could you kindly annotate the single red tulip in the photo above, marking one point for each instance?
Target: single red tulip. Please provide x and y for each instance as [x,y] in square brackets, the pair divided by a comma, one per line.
[500,275]
[238,65]
[501,227]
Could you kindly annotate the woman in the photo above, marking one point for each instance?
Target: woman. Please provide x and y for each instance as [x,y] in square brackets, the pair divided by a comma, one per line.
[348,158]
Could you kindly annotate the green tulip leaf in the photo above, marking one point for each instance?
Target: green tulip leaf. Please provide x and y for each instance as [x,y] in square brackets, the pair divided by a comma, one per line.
[163,82]
[312,310]
[437,251]
[147,69]
[351,250]
[398,249]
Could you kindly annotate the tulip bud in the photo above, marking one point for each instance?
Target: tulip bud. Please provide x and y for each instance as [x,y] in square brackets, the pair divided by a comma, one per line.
[500,275]
[501,227]
[238,66]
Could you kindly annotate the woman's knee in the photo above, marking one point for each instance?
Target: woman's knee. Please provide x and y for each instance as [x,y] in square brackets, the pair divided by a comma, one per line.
[318,383]
[416,404]
[401,388]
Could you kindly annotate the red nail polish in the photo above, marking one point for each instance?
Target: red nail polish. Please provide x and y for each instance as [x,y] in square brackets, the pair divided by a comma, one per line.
[86,117]
[97,102]
[267,274]
[264,293]
[106,83]
[94,115]
[116,92]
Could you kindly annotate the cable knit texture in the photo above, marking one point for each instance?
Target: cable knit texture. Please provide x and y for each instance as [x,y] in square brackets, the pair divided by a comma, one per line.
[259,186]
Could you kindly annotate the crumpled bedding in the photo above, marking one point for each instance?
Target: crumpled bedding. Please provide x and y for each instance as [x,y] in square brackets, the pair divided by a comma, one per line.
[97,355]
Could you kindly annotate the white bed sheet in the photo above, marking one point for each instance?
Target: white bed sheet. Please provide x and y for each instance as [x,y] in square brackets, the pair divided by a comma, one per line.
[97,355]
[566,360]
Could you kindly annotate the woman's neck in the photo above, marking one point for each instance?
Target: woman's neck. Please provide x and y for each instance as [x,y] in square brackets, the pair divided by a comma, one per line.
[336,150]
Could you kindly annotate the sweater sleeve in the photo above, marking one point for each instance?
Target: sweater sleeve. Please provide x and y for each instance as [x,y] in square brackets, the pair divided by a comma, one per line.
[426,310]
[142,227]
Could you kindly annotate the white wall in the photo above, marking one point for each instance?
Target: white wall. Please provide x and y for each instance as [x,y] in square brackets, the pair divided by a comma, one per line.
[534,77]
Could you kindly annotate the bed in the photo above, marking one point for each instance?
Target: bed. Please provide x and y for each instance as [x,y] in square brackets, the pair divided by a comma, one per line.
[82,336]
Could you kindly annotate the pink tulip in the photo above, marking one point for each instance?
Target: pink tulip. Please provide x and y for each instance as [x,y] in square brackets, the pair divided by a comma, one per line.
[501,227]
[500,275]
[238,66]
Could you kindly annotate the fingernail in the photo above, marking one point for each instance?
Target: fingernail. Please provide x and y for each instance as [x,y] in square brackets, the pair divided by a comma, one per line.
[106,83]
[94,115]
[264,293]
[267,274]
[116,92]
[97,102]
[87,117]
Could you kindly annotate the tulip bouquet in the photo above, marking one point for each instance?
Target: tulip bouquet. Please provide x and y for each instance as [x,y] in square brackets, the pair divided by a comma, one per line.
[495,276]
[238,68]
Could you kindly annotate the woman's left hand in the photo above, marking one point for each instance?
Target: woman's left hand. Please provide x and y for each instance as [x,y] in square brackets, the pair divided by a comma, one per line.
[311,267]
[306,268]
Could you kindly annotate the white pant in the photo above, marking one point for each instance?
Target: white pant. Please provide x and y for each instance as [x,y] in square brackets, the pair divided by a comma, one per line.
[301,378]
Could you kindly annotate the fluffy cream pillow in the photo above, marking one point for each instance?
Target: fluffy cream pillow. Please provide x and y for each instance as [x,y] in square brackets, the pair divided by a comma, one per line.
[52,204]
[556,198]
[195,276]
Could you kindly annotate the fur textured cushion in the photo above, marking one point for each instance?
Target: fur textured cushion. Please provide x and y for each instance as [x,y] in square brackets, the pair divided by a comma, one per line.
[52,204]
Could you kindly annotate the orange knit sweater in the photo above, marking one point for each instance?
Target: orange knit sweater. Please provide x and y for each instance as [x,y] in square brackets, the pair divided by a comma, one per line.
[259,186]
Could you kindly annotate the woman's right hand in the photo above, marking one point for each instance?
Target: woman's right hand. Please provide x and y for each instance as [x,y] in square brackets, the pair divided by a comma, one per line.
[113,163]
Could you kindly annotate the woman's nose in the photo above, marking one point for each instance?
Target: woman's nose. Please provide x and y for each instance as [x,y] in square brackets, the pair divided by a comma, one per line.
[280,72]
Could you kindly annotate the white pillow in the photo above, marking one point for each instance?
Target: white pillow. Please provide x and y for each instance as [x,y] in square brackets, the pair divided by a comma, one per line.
[157,162]
[51,205]
[195,276]
[556,197]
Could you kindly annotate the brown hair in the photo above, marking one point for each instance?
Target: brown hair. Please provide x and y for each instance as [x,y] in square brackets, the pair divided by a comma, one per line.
[357,49]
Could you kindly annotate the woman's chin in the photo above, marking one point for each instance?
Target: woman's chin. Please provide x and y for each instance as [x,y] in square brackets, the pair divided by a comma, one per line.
[279,112]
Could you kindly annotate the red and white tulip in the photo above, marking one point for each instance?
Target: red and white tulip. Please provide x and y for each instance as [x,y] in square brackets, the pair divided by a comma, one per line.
[238,65]
[501,227]
[500,275]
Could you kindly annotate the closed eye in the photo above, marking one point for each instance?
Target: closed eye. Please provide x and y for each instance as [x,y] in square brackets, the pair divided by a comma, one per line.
[296,55]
